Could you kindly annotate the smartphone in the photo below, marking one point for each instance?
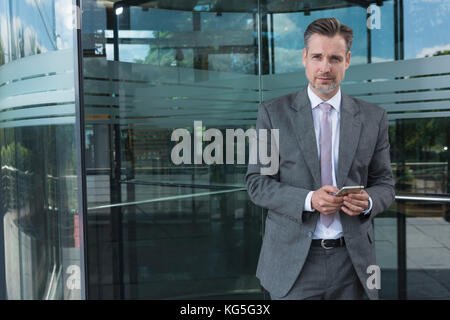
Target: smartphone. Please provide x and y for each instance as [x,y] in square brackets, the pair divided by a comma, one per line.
[349,189]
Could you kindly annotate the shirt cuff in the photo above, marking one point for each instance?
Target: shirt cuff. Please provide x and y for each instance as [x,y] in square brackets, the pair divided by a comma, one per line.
[308,205]
[365,212]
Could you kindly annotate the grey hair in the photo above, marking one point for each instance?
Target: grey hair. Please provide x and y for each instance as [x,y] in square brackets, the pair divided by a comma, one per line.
[329,27]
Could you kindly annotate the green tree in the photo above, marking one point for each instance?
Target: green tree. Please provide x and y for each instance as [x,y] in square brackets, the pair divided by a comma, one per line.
[15,162]
[157,56]
[440,53]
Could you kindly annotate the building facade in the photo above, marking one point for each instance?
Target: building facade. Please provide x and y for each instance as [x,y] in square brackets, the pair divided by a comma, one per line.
[93,205]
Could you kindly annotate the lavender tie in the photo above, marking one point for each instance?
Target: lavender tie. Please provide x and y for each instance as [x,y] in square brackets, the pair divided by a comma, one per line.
[325,155]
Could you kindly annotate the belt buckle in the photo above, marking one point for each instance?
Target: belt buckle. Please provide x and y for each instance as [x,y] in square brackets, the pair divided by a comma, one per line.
[322,243]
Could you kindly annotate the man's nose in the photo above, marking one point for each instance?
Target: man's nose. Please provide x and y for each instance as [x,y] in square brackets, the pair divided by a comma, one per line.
[326,66]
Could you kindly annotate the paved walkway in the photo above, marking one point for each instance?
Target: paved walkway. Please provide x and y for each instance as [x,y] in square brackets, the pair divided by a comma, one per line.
[427,254]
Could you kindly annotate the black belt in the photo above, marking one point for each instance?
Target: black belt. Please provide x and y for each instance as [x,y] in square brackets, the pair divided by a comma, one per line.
[328,243]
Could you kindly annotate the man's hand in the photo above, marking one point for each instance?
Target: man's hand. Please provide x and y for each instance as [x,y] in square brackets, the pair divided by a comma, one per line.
[355,203]
[324,202]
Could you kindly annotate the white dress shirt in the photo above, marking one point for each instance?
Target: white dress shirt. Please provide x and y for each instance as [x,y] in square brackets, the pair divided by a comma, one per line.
[334,231]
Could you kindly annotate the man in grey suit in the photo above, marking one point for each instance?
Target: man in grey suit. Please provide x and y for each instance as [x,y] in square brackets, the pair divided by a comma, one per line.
[317,245]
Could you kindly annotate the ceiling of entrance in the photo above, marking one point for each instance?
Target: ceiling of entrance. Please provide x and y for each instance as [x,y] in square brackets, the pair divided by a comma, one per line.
[269,6]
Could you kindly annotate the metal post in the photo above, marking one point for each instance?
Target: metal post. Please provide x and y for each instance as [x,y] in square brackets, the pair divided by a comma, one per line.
[3,294]
[401,214]
[401,252]
[115,176]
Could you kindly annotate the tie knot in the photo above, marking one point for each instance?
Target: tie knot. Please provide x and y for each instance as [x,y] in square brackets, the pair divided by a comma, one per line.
[325,107]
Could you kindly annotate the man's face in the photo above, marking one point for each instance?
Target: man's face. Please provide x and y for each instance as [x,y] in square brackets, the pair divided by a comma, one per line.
[326,61]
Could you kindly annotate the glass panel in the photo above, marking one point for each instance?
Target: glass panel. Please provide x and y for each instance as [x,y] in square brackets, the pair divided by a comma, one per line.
[421,164]
[426,32]
[386,250]
[159,229]
[427,250]
[415,94]
[420,130]
[38,168]
[284,73]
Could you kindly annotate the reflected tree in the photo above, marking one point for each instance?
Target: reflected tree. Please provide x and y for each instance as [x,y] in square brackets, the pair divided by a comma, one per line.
[14,165]
[2,53]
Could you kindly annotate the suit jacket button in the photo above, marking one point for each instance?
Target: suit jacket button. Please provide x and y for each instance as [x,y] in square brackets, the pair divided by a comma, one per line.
[310,234]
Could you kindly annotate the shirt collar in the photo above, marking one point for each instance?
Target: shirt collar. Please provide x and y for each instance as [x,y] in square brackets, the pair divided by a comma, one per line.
[315,100]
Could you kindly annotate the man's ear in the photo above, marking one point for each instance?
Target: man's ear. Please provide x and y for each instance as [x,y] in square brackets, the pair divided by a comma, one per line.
[347,59]
[305,53]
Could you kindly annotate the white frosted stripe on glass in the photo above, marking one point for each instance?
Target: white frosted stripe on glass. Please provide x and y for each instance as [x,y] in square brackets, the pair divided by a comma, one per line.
[189,104]
[121,88]
[176,122]
[400,68]
[163,102]
[239,82]
[37,98]
[38,122]
[150,104]
[89,111]
[221,102]
[53,61]
[171,91]
[63,81]
[409,96]
[201,115]
[102,69]
[109,87]
[155,110]
[193,39]
[38,112]
[397,85]
[418,115]
[381,70]
[220,96]
[434,105]
[107,101]
[184,114]
[245,111]
[268,95]
[284,80]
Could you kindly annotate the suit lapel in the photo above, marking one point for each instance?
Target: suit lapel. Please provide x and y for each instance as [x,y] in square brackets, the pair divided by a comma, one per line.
[350,130]
[303,124]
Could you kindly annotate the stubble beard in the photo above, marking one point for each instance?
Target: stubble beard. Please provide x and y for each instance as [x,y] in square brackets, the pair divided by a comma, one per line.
[326,89]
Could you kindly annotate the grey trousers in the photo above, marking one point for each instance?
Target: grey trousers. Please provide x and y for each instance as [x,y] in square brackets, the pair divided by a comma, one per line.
[327,274]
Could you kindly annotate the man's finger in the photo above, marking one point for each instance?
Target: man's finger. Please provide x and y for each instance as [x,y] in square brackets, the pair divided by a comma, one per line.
[359,196]
[358,202]
[332,199]
[349,212]
[362,204]
[330,189]
[327,205]
[353,207]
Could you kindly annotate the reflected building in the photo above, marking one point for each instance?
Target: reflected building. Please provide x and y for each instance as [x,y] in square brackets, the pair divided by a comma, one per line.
[92,205]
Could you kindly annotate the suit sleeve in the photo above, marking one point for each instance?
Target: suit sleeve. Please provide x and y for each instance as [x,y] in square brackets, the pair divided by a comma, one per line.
[381,185]
[266,190]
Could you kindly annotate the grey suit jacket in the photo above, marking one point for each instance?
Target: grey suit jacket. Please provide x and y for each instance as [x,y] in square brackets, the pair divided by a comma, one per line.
[363,160]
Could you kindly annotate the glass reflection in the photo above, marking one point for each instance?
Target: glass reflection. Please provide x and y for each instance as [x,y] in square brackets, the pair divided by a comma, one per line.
[159,230]
[38,168]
